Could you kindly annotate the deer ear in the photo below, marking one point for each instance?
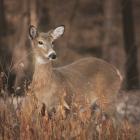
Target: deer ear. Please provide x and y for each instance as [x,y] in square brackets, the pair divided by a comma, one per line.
[33,32]
[57,32]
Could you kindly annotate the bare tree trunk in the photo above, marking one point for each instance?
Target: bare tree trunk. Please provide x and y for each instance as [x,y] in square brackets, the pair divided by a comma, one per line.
[22,54]
[110,36]
[19,52]
[2,19]
[132,74]
[33,12]
[3,38]
[108,25]
[3,27]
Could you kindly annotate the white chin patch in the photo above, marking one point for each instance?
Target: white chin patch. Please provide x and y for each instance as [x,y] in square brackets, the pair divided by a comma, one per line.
[39,60]
[50,59]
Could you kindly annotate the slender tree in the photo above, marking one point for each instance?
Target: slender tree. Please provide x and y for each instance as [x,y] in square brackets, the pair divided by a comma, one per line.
[22,56]
[2,19]
[132,74]
[110,43]
[3,32]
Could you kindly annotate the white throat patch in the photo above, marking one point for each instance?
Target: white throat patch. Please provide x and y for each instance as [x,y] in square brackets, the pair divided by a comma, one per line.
[39,60]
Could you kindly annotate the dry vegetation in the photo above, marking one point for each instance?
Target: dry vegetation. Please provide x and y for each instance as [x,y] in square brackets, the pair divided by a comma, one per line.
[86,35]
[76,123]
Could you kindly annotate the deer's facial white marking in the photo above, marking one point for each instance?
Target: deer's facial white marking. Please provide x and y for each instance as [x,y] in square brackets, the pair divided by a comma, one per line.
[40,60]
[41,44]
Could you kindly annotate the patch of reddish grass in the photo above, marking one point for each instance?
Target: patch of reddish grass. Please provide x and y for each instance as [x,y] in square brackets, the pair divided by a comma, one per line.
[79,124]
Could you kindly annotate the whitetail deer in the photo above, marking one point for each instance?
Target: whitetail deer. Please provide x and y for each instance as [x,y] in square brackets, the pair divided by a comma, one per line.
[86,77]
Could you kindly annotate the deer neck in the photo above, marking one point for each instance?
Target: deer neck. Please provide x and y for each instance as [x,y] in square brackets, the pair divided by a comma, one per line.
[43,75]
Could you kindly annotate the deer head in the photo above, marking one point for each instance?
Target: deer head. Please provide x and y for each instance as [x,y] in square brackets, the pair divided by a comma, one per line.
[43,43]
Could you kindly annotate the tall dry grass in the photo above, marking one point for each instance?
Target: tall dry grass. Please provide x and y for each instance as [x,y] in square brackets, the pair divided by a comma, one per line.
[78,122]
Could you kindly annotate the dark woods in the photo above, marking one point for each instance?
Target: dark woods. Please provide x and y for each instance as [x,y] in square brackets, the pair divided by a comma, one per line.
[107,29]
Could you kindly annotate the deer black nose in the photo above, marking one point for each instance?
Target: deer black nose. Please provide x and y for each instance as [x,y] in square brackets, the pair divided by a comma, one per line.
[52,55]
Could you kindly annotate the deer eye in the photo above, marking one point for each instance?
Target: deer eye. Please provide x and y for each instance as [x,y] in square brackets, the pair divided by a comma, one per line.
[40,42]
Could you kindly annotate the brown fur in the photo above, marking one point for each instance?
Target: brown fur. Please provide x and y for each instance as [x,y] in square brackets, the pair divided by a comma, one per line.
[88,78]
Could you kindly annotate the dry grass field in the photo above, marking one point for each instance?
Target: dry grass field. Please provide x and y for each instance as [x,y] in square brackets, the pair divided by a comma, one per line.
[76,123]
[93,28]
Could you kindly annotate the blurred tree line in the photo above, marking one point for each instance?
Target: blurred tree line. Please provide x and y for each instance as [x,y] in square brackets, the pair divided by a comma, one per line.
[101,28]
